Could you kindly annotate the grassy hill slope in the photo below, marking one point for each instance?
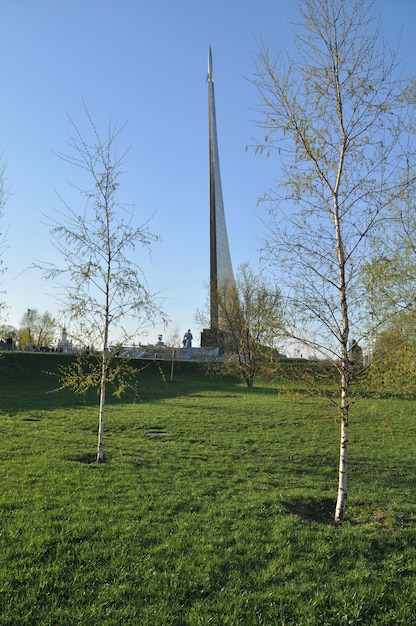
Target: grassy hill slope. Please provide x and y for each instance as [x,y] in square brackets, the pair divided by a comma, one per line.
[214,505]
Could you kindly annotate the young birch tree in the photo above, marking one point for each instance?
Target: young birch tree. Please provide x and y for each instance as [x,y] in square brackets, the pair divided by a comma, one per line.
[104,286]
[336,118]
[36,329]
[251,312]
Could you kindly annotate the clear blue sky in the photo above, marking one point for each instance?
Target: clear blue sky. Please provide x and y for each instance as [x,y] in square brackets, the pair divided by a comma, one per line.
[144,64]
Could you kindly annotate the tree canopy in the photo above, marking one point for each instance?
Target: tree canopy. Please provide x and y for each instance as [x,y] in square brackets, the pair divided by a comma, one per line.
[98,242]
[251,312]
[336,117]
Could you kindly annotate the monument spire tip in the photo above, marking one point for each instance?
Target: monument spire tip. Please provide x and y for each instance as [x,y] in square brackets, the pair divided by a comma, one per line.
[210,77]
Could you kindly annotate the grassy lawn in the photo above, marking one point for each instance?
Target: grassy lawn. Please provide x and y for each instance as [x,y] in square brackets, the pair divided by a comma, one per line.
[226,519]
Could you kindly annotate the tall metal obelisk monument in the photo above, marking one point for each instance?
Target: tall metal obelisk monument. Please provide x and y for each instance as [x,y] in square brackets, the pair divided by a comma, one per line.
[221,270]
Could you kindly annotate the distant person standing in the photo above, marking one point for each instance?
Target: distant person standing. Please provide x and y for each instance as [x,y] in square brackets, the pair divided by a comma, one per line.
[187,339]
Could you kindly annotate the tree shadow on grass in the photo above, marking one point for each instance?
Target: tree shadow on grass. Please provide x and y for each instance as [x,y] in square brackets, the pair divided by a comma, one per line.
[320,510]
[88,458]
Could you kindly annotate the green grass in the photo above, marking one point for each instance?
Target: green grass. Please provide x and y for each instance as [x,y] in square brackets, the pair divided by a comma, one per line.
[225,520]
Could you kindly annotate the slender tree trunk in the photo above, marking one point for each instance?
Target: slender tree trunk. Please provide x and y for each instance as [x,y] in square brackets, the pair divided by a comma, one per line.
[105,357]
[104,369]
[343,452]
[100,446]
[341,504]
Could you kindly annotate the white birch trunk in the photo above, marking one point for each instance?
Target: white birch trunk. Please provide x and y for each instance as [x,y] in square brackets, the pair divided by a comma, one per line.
[341,504]
[100,446]
[342,473]
[105,356]
[104,368]
[343,459]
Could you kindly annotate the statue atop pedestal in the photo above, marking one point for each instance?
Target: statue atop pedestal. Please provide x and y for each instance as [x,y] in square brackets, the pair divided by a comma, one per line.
[187,339]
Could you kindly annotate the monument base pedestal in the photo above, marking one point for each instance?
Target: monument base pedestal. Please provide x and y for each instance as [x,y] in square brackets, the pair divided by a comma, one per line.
[213,338]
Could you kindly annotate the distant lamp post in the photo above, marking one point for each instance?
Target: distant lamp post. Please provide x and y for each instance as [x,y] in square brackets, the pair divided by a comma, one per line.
[29,338]
[173,364]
